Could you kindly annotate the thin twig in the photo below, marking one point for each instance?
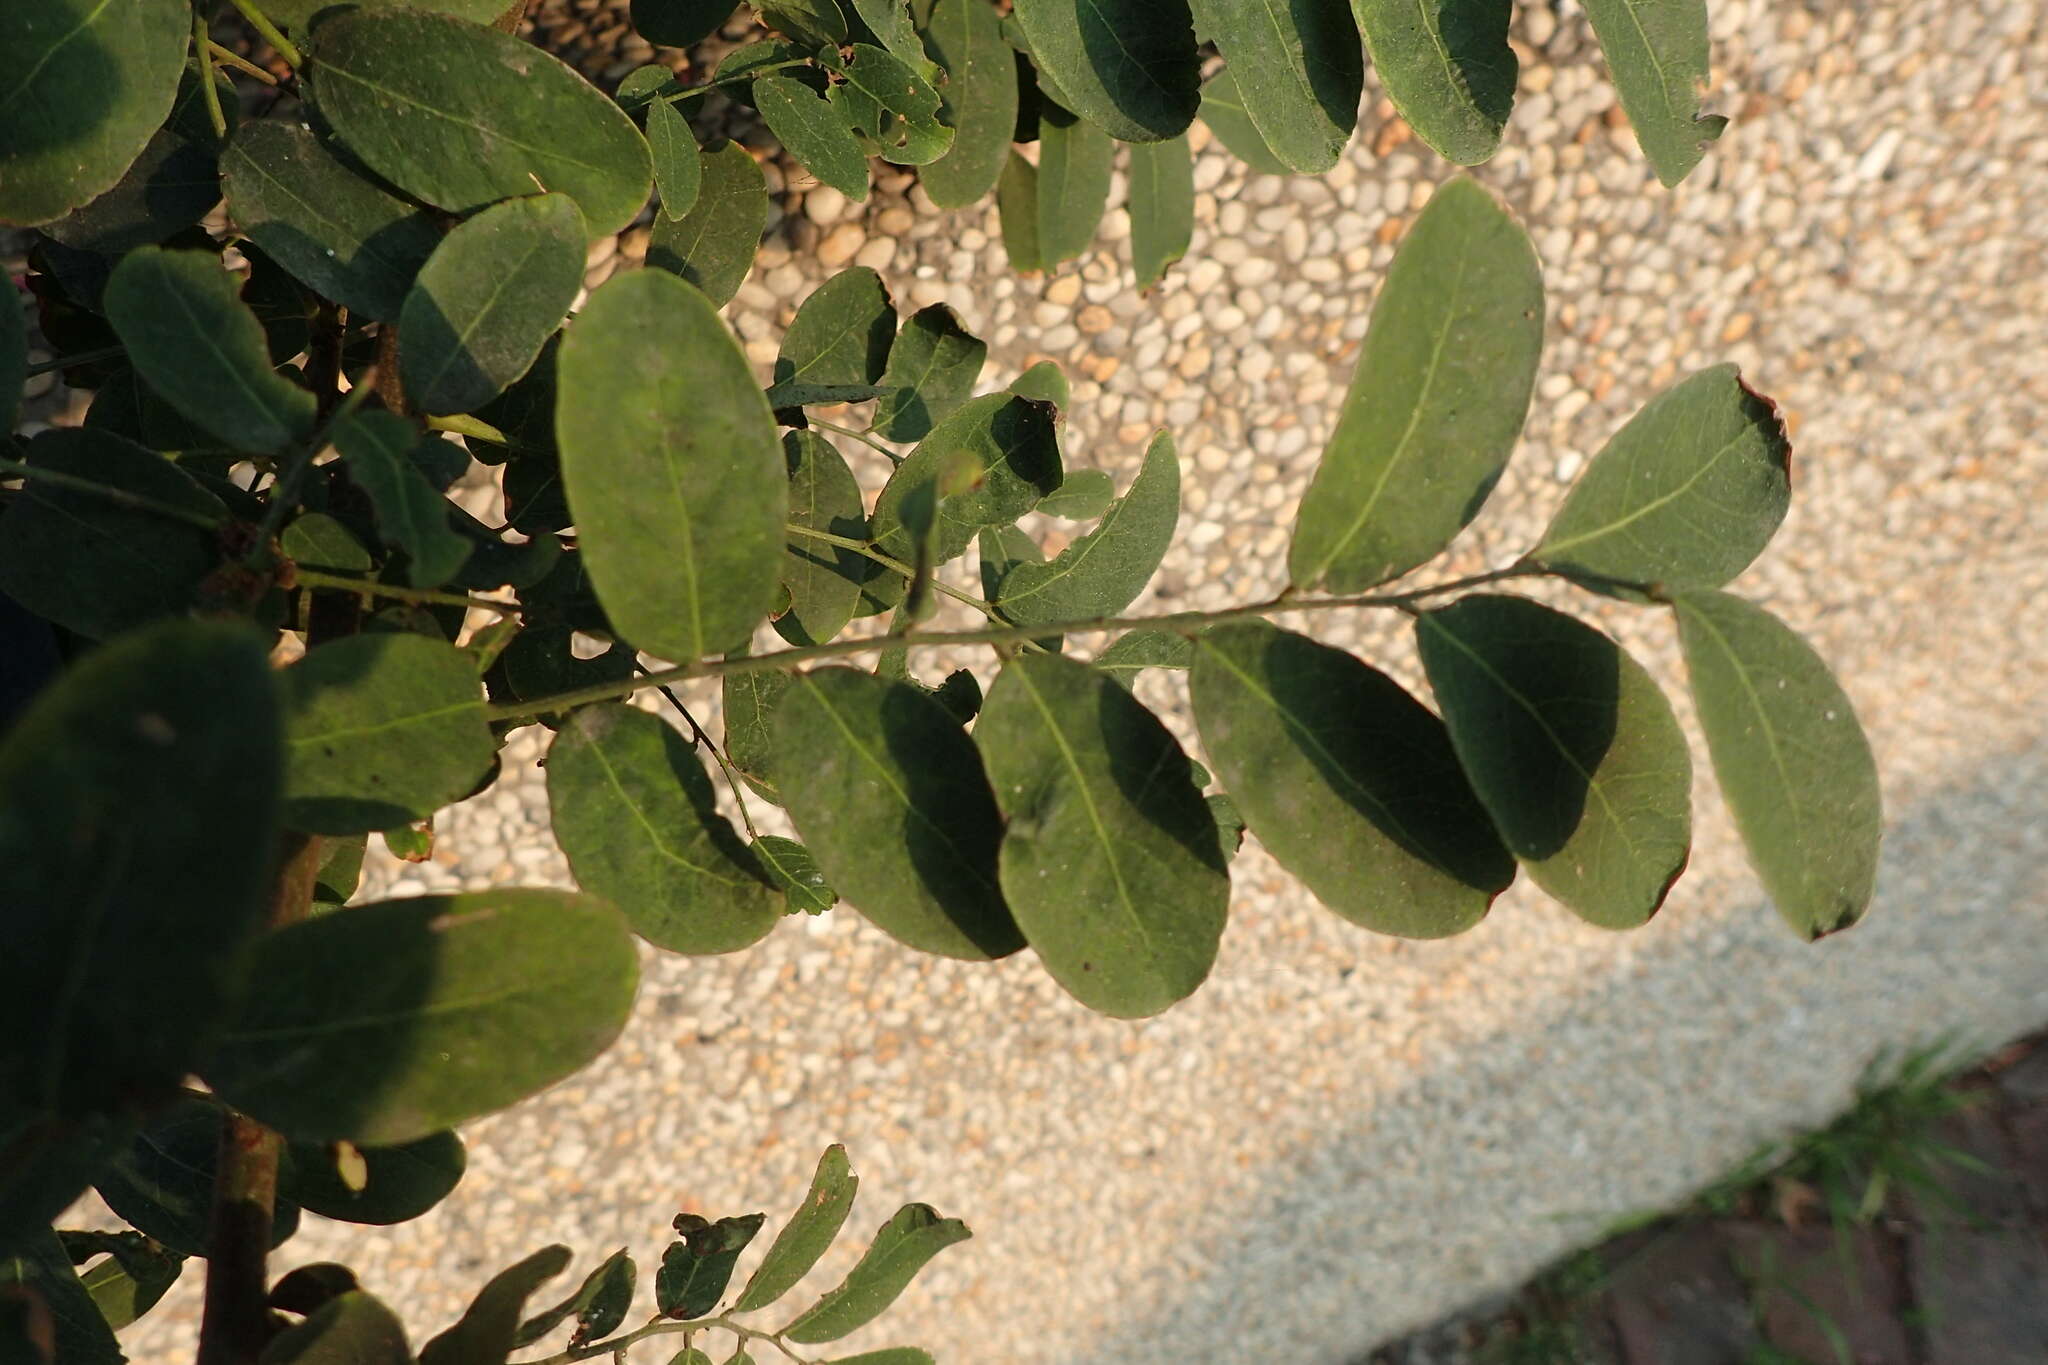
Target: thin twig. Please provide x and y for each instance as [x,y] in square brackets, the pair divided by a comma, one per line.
[732,778]
[119,496]
[860,436]
[316,578]
[65,362]
[259,21]
[239,62]
[867,551]
[209,93]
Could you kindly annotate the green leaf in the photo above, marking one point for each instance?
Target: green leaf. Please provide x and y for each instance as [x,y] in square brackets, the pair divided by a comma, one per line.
[812,22]
[1223,110]
[494,290]
[188,333]
[398,1183]
[814,132]
[1447,67]
[840,336]
[339,233]
[679,23]
[1658,51]
[83,85]
[1109,859]
[341,872]
[889,21]
[402,1018]
[887,792]
[695,1271]
[889,106]
[51,1161]
[354,1328]
[792,868]
[163,1183]
[1104,571]
[138,809]
[1229,823]
[599,1304]
[1438,399]
[806,1235]
[318,541]
[888,1355]
[1137,650]
[678,165]
[905,1245]
[37,1271]
[1792,760]
[670,457]
[384,729]
[14,362]
[1046,382]
[1349,782]
[932,369]
[1686,495]
[490,1325]
[712,246]
[1571,748]
[1017,202]
[749,702]
[823,580]
[519,120]
[1162,206]
[1083,495]
[411,514]
[1075,162]
[169,187]
[1299,71]
[94,566]
[295,15]
[132,1280]
[637,816]
[978,99]
[1130,67]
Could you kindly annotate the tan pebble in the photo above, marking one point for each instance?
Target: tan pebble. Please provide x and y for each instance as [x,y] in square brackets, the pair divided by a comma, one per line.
[877,254]
[840,244]
[1133,433]
[1391,135]
[1064,290]
[896,220]
[1100,367]
[1389,230]
[1095,319]
[1738,327]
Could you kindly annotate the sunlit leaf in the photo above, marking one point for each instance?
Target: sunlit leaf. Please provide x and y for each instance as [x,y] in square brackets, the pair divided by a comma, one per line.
[824,580]
[1162,206]
[904,1245]
[887,104]
[1075,162]
[1104,571]
[1447,67]
[1658,54]
[806,1235]
[1083,495]
[817,134]
[1130,67]
[978,99]
[712,246]
[678,166]
[792,868]
[931,371]
[1298,69]
[1137,650]
[840,336]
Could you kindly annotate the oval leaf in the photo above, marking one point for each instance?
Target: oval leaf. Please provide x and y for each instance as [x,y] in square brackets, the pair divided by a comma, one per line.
[1686,495]
[840,338]
[1162,206]
[163,1184]
[904,1245]
[824,580]
[1083,495]
[1109,858]
[1447,67]
[679,23]
[518,120]
[1104,571]
[1349,782]
[978,100]
[792,868]
[401,1018]
[384,729]
[888,105]
[1130,67]
[1572,749]
[1137,650]
[1439,396]
[712,246]
[138,809]
[494,290]
[188,333]
[1657,52]
[1299,71]
[931,371]
[354,1328]
[490,1325]
[412,515]
[669,456]
[1792,759]
[678,165]
[339,233]
[636,815]
[1075,163]
[813,132]
[806,1235]
[887,792]
[695,1271]
[83,85]
[395,1185]
[1017,202]
[1223,110]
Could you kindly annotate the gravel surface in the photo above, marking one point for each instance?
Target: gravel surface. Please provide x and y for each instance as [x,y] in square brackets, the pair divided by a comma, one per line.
[1342,1136]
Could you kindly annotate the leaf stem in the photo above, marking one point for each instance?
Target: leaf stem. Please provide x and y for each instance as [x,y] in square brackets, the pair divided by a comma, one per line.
[284,489]
[230,57]
[738,78]
[316,578]
[861,547]
[202,49]
[65,362]
[660,1326]
[1180,622]
[259,21]
[860,436]
[119,496]
[732,778]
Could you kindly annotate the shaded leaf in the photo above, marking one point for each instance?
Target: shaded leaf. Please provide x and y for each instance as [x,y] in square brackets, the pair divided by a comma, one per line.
[494,290]
[1075,161]
[1685,495]
[1657,52]
[188,333]
[978,99]
[1792,760]
[823,580]
[841,335]
[679,23]
[678,165]
[670,457]
[490,1324]
[1447,67]
[1017,202]
[806,1235]
[138,809]
[519,120]
[890,22]
[599,1304]
[1437,401]
[14,361]
[932,369]
[1223,110]
[1083,495]
[887,792]
[749,702]
[412,515]
[712,246]
[1046,382]
[1162,206]
[383,729]
[37,1271]
[354,1328]
[814,132]
[1109,858]
[905,1245]
[82,87]
[792,868]
[295,15]
[1298,69]
[889,106]
[397,1183]
[170,186]
[1137,650]
[402,1018]
[637,816]
[1349,782]
[162,1184]
[1571,748]
[341,871]
[888,1355]
[131,1281]
[1129,67]
[1104,571]
[695,1271]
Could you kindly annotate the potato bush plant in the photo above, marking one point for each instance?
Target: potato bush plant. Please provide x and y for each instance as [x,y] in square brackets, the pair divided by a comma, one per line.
[256,629]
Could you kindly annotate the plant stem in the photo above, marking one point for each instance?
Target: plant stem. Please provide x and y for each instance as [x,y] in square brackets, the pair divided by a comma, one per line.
[268,31]
[739,78]
[119,496]
[862,548]
[660,1326]
[732,778]
[1180,623]
[318,578]
[284,489]
[860,436]
[65,362]
[202,48]
[230,57]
